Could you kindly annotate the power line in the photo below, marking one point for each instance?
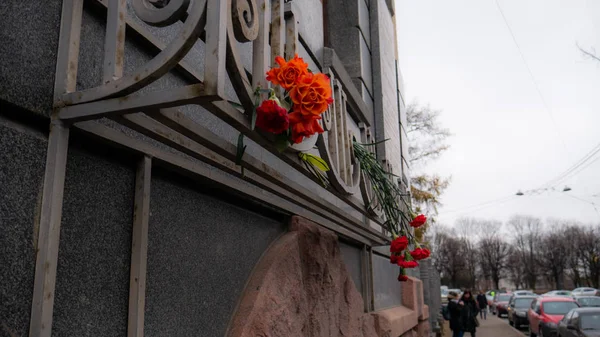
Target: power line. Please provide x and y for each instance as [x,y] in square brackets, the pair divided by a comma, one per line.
[535,84]
[588,156]
[485,204]
[587,202]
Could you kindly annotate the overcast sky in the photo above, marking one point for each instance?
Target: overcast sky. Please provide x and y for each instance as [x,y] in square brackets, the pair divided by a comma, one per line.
[459,57]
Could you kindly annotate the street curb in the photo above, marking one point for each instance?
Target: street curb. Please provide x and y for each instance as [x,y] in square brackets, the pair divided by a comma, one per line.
[519,331]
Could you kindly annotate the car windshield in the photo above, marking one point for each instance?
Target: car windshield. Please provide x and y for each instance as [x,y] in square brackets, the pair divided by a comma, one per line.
[589,301]
[589,321]
[564,293]
[504,298]
[558,308]
[523,302]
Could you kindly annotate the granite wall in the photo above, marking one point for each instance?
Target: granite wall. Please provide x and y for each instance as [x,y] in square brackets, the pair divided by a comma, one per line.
[22,159]
[203,244]
[201,251]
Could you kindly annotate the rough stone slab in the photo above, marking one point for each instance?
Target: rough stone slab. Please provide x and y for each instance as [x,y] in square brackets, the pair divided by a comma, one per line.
[412,295]
[301,288]
[22,160]
[395,321]
[92,285]
[201,251]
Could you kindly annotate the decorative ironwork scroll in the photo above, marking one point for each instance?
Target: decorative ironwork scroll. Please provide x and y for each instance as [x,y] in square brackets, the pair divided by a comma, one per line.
[270,26]
[335,146]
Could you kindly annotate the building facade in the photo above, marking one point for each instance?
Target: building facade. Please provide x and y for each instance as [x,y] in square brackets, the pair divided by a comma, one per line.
[126,208]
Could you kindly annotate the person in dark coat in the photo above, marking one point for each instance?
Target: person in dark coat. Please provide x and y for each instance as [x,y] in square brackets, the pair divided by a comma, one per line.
[482,302]
[455,307]
[469,311]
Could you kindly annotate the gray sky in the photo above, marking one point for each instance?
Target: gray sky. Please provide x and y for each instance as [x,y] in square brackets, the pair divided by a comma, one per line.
[459,57]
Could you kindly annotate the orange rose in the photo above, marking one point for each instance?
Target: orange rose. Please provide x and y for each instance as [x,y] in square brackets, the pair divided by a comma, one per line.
[304,126]
[312,94]
[288,73]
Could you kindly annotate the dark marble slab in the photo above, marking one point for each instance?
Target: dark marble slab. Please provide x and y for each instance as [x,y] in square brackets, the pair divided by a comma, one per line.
[92,289]
[22,160]
[201,251]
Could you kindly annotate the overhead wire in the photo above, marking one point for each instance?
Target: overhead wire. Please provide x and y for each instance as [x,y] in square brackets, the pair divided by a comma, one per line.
[561,177]
[535,84]
[478,206]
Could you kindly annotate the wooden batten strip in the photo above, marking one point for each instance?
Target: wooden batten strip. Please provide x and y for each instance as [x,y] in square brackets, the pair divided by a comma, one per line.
[139,249]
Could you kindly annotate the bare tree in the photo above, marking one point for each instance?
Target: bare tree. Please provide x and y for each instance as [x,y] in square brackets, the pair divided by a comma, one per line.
[589,53]
[494,254]
[588,244]
[527,232]
[554,253]
[515,268]
[449,258]
[427,141]
[423,123]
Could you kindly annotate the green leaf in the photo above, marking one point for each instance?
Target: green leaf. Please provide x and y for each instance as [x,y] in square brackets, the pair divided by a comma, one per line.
[316,161]
[281,142]
[241,148]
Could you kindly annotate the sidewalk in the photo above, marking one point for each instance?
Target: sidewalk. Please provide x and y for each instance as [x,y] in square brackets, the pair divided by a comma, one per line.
[496,327]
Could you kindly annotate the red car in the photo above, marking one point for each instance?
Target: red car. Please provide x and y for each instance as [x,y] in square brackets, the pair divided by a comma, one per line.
[545,313]
[500,304]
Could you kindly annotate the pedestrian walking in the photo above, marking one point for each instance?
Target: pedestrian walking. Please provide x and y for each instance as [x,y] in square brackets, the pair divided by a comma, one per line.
[482,302]
[468,313]
[455,308]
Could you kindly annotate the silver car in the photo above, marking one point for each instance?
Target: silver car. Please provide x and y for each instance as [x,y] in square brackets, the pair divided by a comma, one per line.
[585,292]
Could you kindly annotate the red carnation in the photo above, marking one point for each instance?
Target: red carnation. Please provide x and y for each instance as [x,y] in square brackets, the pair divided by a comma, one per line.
[420,254]
[408,264]
[418,221]
[395,258]
[399,244]
[402,278]
[271,117]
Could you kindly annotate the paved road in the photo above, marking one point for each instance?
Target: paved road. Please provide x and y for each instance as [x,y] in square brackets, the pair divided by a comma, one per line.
[496,327]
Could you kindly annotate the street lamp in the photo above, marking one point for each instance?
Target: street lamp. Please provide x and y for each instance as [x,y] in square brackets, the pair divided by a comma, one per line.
[565,189]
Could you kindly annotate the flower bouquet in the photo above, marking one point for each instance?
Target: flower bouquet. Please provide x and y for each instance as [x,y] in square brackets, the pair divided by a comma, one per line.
[293,117]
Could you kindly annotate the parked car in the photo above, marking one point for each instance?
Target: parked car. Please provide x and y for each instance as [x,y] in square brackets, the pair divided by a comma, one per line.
[490,294]
[585,292]
[447,291]
[524,293]
[545,313]
[517,310]
[500,304]
[555,293]
[582,322]
[588,301]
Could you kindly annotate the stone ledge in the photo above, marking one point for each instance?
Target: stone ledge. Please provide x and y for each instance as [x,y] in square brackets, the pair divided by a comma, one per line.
[395,321]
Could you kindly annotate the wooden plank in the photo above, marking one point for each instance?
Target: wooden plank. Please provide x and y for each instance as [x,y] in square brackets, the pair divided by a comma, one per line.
[187,70]
[215,52]
[358,108]
[189,168]
[198,133]
[277,29]
[139,249]
[114,44]
[177,96]
[42,305]
[230,115]
[192,144]
[260,55]
[68,48]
